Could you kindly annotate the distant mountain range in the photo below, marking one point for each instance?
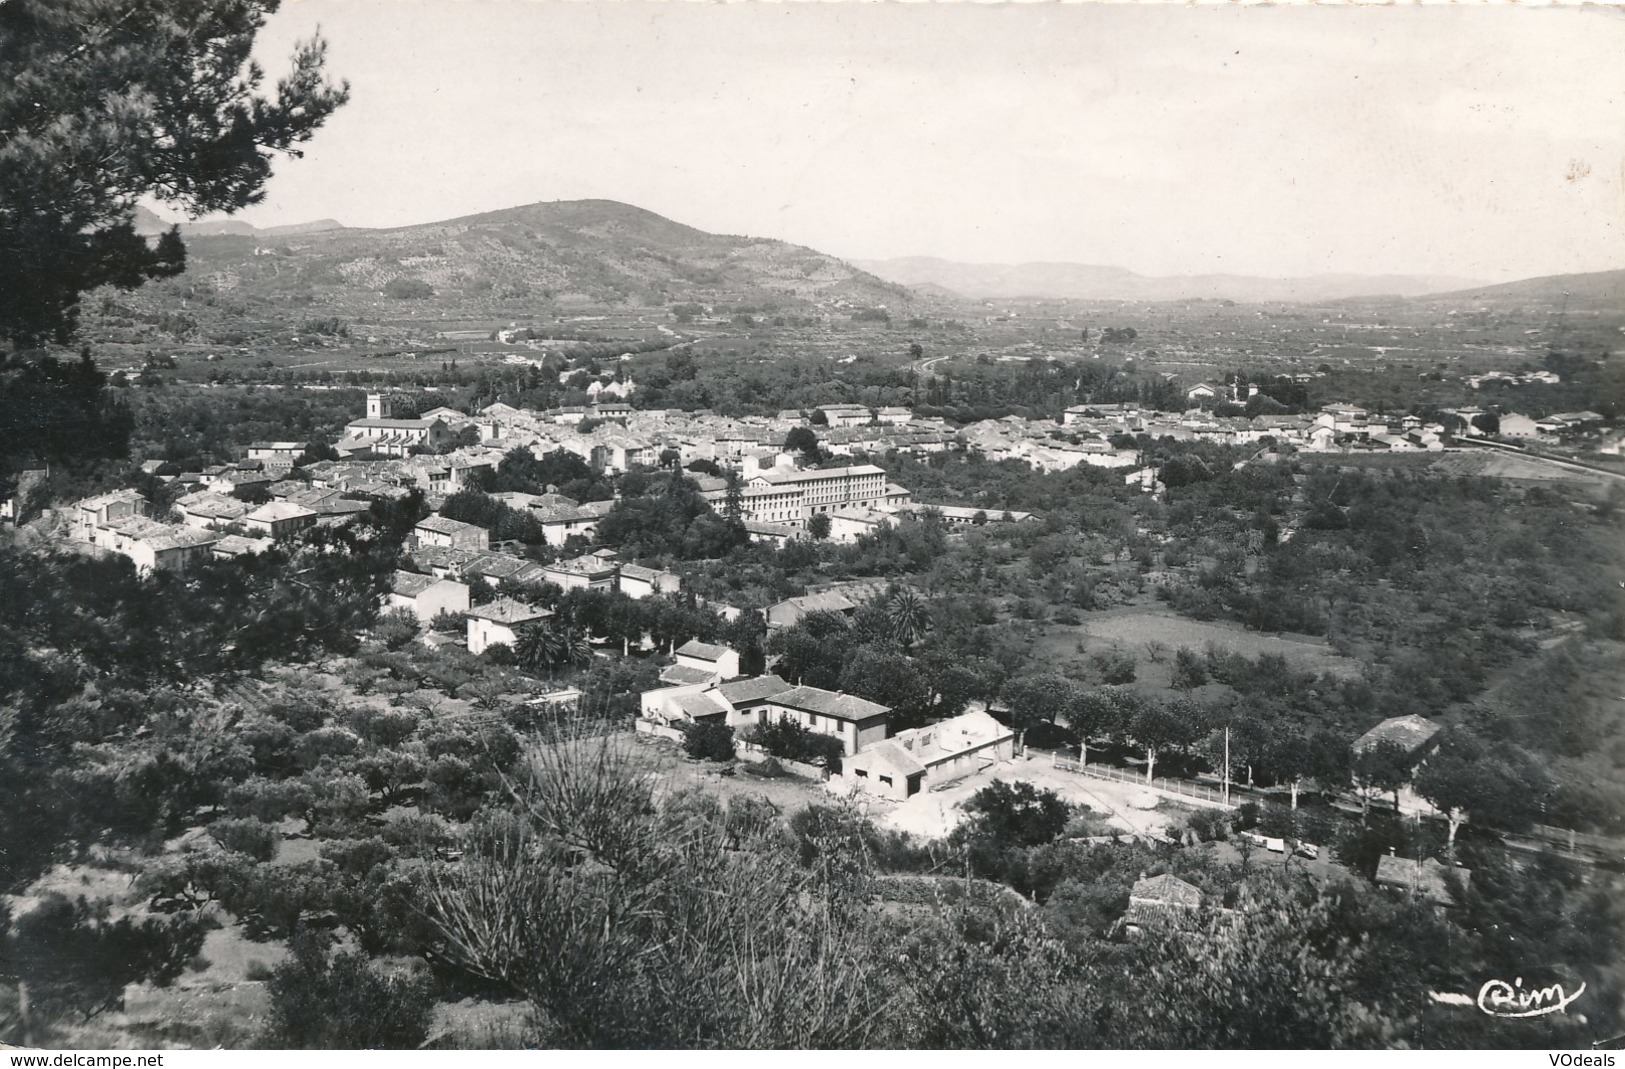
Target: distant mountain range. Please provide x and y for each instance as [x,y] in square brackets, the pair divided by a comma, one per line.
[149,223]
[601,252]
[1089,282]
[586,252]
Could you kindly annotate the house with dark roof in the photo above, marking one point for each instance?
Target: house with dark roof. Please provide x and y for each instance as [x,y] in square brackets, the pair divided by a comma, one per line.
[739,702]
[746,703]
[854,720]
[694,692]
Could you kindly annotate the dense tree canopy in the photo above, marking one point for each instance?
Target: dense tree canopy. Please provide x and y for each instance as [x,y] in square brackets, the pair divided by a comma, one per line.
[105,103]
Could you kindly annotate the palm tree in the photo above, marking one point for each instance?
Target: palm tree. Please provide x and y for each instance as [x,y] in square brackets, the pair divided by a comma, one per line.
[573,648]
[535,646]
[548,645]
[907,617]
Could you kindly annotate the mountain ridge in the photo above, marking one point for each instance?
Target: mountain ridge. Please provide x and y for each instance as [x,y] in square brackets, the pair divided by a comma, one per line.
[1078,281]
[582,252]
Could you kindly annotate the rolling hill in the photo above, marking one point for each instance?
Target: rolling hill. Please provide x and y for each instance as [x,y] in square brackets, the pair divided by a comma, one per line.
[1091,282]
[555,254]
[1597,289]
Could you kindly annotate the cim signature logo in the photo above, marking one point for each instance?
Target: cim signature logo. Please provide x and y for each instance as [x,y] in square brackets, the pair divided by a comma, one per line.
[1501,999]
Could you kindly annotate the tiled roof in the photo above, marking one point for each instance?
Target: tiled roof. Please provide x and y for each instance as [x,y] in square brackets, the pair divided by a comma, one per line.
[1411,732]
[892,756]
[1165,890]
[235,545]
[104,500]
[755,689]
[830,703]
[410,584]
[180,538]
[705,651]
[829,601]
[446,526]
[279,510]
[508,611]
[682,675]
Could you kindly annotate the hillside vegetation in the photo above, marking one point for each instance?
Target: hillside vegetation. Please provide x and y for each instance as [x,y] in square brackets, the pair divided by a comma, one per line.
[572,253]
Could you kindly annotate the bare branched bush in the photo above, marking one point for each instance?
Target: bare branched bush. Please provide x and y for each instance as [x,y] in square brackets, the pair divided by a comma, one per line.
[627,923]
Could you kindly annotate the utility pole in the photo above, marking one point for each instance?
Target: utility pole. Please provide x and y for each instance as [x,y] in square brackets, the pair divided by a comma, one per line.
[1227,764]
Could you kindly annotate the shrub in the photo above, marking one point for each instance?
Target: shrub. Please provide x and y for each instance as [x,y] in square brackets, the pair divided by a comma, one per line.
[343,1002]
[407,289]
[1018,814]
[396,628]
[245,836]
[1188,672]
[75,960]
[1114,667]
[709,741]
[1210,825]
[446,620]
[791,741]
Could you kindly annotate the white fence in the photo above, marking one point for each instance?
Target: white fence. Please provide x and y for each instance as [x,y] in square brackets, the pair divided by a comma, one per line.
[1167,786]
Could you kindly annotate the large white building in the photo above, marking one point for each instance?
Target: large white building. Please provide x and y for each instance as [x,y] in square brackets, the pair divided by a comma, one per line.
[793,497]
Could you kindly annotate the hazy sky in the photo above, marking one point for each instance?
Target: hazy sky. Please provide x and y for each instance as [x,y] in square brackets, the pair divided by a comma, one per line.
[1482,142]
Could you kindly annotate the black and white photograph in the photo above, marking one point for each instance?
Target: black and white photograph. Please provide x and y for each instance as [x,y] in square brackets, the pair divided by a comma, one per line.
[582,525]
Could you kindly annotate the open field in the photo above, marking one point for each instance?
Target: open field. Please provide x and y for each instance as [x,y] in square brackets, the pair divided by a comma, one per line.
[1130,629]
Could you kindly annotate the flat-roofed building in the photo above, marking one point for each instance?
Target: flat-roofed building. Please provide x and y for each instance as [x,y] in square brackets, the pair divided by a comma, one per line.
[913,760]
